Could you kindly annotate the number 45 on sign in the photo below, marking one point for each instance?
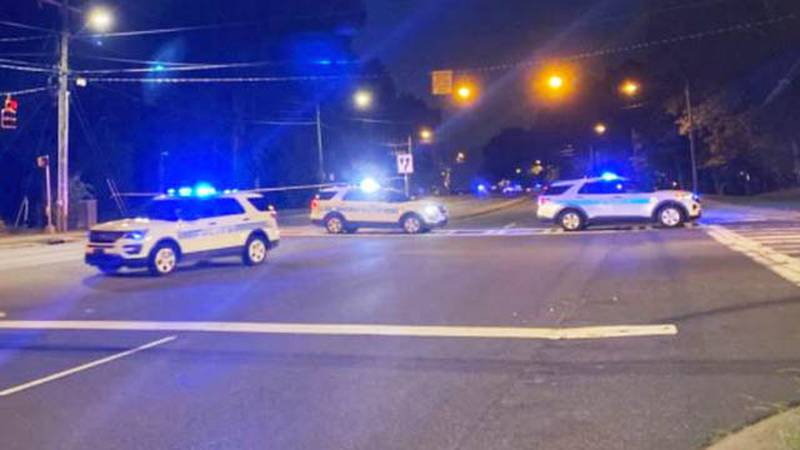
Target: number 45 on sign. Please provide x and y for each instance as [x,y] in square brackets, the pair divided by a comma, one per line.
[405,163]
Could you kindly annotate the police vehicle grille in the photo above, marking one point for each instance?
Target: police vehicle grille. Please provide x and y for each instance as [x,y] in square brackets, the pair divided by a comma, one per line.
[105,237]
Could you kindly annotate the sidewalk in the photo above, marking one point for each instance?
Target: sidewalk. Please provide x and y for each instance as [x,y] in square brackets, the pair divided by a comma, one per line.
[719,209]
[779,432]
[11,240]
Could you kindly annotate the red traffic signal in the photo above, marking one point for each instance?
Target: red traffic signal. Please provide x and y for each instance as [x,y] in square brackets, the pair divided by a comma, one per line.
[8,115]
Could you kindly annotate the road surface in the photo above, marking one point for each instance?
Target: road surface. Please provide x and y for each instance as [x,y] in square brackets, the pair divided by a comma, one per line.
[495,334]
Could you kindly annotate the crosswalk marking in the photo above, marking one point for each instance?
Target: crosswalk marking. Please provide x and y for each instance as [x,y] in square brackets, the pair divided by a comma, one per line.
[778,252]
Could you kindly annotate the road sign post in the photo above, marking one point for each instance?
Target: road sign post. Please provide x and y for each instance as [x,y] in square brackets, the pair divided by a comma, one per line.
[405,167]
[44,163]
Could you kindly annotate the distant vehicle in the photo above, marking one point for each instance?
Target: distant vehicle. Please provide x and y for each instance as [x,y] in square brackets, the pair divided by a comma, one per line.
[576,204]
[346,209]
[194,225]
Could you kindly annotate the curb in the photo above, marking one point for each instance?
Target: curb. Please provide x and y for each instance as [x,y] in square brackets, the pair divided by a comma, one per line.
[778,432]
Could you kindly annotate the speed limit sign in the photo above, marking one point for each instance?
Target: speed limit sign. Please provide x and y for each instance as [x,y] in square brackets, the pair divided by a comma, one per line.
[405,163]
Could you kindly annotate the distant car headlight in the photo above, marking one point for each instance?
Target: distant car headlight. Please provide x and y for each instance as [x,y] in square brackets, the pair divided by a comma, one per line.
[136,235]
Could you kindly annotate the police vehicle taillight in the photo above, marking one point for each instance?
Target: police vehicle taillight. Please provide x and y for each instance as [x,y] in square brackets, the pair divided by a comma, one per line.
[314,203]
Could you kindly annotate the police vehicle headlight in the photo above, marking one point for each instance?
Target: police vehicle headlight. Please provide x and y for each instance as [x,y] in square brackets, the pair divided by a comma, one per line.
[136,235]
[432,211]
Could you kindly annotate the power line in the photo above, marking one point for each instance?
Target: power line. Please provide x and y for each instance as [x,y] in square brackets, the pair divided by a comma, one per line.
[638,46]
[23,26]
[20,62]
[179,68]
[170,30]
[25,38]
[25,68]
[27,91]
[187,80]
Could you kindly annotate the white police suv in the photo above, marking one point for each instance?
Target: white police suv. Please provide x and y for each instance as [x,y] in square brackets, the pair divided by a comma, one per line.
[575,204]
[171,229]
[348,208]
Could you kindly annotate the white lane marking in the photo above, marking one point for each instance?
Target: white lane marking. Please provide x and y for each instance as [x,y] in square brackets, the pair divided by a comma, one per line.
[510,225]
[595,332]
[780,263]
[68,372]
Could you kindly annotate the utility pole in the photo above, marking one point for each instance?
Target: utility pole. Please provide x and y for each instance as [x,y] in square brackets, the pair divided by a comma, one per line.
[319,146]
[692,150]
[62,191]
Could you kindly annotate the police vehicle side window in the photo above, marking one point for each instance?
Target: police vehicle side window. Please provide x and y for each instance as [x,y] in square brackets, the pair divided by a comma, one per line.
[259,203]
[557,190]
[226,207]
[163,210]
[395,197]
[326,195]
[602,187]
[358,196]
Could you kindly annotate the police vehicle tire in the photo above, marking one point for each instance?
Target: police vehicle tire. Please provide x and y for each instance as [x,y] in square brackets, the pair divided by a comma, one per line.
[163,259]
[255,250]
[571,220]
[670,216]
[413,224]
[335,224]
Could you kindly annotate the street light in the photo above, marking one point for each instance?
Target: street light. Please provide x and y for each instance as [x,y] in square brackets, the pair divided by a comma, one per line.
[600,129]
[465,92]
[100,19]
[630,88]
[555,82]
[461,157]
[426,135]
[362,99]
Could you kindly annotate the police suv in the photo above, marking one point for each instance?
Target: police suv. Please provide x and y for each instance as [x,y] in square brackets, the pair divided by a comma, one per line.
[575,204]
[348,208]
[171,229]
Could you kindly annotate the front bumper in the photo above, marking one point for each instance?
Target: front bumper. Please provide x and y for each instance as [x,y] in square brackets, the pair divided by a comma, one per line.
[441,223]
[102,259]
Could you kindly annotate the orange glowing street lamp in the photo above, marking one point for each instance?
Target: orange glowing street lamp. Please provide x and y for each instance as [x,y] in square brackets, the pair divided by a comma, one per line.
[630,88]
[555,82]
[600,129]
[465,92]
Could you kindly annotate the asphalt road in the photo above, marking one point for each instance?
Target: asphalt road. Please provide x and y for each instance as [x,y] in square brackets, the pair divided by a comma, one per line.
[735,356]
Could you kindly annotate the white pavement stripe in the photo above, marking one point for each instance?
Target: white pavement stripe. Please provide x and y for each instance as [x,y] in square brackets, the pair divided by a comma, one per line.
[596,332]
[780,263]
[68,372]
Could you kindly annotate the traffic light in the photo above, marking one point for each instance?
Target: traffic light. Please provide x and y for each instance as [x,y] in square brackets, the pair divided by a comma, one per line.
[8,115]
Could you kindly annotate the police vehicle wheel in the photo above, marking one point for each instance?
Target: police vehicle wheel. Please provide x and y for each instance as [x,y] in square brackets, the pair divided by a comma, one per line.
[334,224]
[670,216]
[571,220]
[255,251]
[412,224]
[163,260]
